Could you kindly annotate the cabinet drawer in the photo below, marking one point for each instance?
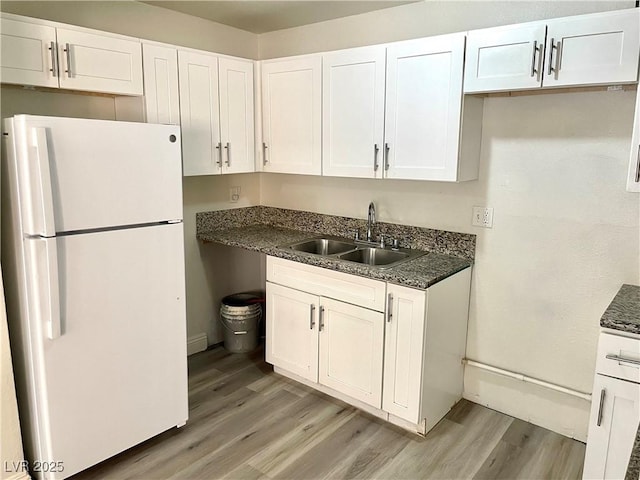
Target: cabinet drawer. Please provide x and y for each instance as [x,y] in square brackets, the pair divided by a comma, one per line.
[621,348]
[327,283]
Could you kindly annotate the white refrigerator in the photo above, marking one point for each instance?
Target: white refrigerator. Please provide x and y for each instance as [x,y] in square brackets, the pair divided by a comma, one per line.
[93,259]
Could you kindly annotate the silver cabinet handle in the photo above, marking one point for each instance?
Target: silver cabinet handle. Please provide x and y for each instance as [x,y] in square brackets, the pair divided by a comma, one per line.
[312,309]
[601,407]
[389,307]
[376,149]
[386,156]
[321,320]
[67,50]
[533,58]
[620,359]
[219,149]
[54,62]
[638,166]
[264,153]
[227,147]
[550,66]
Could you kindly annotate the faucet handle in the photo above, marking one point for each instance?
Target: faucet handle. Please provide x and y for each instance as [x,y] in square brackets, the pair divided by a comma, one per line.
[382,242]
[356,235]
[394,244]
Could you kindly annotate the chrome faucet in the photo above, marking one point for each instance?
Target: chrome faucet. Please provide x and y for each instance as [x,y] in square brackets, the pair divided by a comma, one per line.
[371,221]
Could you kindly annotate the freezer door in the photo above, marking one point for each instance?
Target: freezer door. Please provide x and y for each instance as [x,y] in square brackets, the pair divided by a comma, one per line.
[78,174]
[116,374]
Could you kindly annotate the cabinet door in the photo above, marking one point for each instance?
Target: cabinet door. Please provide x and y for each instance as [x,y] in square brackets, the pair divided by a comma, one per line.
[199,113]
[292,331]
[423,109]
[99,63]
[291,114]
[351,343]
[161,84]
[594,49]
[236,115]
[633,179]
[507,58]
[403,349]
[28,54]
[615,413]
[353,112]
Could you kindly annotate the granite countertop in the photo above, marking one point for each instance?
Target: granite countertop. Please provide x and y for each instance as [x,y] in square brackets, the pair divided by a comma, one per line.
[421,272]
[623,313]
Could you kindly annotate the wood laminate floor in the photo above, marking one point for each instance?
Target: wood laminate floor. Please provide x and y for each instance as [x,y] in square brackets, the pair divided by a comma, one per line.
[246,422]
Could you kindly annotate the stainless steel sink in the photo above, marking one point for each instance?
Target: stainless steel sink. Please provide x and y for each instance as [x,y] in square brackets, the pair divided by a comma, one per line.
[352,251]
[374,256]
[322,246]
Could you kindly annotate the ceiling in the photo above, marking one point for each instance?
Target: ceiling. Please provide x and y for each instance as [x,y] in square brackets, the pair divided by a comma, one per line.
[266,15]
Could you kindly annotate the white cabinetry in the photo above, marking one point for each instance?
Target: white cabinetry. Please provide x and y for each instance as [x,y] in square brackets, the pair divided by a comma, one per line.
[292,115]
[600,48]
[423,116]
[160,66]
[633,177]
[353,112]
[41,53]
[321,339]
[328,330]
[411,130]
[615,407]
[216,111]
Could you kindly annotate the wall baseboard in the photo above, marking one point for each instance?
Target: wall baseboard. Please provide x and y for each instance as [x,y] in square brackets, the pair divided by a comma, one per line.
[197,343]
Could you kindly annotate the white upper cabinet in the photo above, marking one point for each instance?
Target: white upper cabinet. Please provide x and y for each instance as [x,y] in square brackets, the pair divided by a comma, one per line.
[424,109]
[99,63]
[236,115]
[633,179]
[28,54]
[41,53]
[199,113]
[292,115]
[353,112]
[161,84]
[508,58]
[594,49]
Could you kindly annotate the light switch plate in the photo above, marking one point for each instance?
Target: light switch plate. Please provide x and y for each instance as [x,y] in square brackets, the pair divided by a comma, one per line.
[234,194]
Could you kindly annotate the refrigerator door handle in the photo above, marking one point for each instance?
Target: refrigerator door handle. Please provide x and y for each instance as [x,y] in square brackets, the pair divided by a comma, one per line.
[42,205]
[44,255]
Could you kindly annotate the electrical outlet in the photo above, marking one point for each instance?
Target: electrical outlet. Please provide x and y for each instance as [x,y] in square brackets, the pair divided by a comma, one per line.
[482,217]
[234,194]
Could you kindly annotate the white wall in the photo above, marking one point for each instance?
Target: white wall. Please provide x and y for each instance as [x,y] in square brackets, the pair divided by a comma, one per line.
[566,233]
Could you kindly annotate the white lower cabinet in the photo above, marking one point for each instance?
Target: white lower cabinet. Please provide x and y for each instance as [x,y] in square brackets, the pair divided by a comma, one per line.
[399,359]
[615,408]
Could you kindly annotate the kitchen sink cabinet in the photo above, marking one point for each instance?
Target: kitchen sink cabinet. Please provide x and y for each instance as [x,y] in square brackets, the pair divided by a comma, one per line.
[326,341]
[292,115]
[633,177]
[593,49]
[216,112]
[47,54]
[399,358]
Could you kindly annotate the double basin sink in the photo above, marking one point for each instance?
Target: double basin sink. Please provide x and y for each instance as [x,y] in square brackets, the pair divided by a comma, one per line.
[351,251]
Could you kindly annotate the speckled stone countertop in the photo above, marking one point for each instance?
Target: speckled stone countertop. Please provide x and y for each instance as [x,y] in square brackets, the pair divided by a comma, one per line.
[254,231]
[624,311]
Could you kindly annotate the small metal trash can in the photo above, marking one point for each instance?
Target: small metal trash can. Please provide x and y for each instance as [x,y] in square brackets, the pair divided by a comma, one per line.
[240,315]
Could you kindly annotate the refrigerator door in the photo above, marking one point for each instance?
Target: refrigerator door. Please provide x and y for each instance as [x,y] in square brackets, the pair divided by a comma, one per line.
[79,174]
[116,375]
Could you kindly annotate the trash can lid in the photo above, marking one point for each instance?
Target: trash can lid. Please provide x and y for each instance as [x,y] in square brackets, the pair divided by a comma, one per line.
[242,299]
